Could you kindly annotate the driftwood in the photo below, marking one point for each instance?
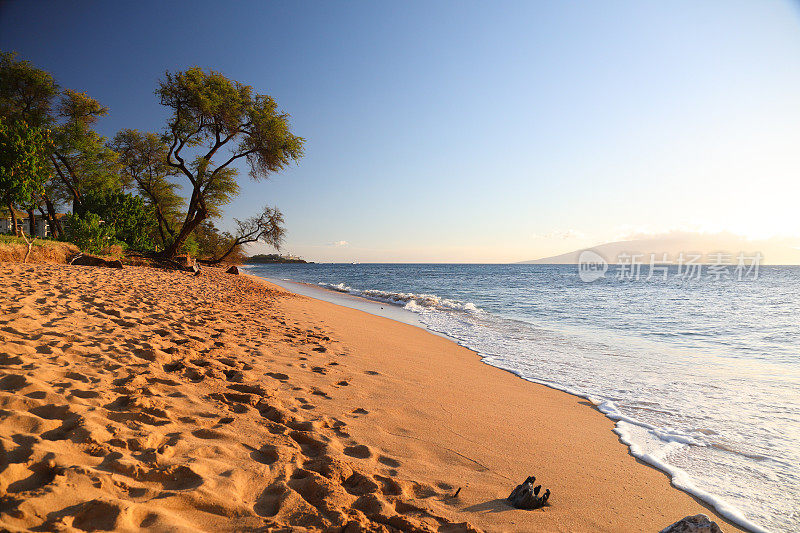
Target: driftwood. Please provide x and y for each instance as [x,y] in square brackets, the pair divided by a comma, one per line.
[155,260]
[90,260]
[30,246]
[526,496]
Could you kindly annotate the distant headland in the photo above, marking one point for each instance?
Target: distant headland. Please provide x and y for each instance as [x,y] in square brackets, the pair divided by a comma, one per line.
[275,258]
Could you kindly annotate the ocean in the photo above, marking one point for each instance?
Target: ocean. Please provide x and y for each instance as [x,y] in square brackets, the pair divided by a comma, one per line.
[701,373]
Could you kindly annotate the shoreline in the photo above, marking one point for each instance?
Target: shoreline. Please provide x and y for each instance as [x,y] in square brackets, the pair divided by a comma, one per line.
[149,399]
[726,514]
[677,477]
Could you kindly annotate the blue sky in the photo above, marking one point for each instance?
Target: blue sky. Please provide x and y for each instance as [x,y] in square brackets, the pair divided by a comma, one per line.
[466,131]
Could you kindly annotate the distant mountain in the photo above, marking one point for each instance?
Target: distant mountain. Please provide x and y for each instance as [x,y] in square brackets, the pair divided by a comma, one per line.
[773,252]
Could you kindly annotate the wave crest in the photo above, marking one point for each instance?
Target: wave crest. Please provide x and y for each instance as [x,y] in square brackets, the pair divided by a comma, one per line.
[409,300]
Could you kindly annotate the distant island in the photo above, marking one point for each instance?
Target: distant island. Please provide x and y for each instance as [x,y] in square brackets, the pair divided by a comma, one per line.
[708,245]
[275,258]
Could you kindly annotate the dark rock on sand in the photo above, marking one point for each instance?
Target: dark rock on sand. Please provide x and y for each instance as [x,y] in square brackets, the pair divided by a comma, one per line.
[698,523]
[233,270]
[526,496]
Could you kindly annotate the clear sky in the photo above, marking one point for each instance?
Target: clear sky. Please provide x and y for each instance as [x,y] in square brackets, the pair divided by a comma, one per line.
[472,131]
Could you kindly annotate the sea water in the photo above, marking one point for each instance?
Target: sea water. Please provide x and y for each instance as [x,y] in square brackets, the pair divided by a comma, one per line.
[701,375]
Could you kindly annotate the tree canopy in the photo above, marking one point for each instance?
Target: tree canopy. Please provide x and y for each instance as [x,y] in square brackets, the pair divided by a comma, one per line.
[23,163]
[214,117]
[143,163]
[26,92]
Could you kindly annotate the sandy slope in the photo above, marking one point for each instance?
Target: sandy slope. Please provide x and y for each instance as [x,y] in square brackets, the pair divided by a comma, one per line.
[145,399]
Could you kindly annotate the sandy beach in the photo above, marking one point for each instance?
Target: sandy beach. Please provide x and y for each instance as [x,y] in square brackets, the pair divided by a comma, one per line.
[144,399]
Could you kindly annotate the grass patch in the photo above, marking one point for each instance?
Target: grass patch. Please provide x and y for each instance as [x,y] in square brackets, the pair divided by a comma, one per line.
[13,249]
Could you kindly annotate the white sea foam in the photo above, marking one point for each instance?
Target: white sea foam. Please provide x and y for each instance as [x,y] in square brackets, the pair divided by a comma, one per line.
[409,300]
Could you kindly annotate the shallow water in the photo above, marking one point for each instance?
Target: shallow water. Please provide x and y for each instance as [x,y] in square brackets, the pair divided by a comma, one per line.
[701,375]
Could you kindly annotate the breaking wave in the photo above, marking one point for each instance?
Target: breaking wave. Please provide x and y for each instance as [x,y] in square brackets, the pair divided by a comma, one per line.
[409,300]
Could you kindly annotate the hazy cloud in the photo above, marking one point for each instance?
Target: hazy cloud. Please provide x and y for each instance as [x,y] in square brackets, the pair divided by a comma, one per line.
[339,243]
[563,235]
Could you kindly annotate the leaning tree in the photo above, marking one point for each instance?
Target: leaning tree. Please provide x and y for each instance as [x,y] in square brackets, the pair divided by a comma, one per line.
[215,123]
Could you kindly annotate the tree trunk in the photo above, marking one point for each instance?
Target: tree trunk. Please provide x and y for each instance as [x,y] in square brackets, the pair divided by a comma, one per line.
[14,225]
[194,216]
[162,224]
[188,227]
[31,222]
[76,197]
[55,223]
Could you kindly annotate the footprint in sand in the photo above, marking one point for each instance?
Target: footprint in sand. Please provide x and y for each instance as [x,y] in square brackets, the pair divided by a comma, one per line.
[8,360]
[278,375]
[388,461]
[358,451]
[12,382]
[85,394]
[208,434]
[372,373]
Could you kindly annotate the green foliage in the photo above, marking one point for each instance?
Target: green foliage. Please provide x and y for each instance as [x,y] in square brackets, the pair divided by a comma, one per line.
[82,159]
[143,162]
[23,162]
[128,218]
[210,241]
[26,92]
[213,116]
[190,246]
[90,233]
[214,123]
[79,159]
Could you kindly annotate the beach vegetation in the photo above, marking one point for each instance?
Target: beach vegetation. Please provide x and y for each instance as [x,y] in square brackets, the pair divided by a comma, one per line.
[143,163]
[214,123]
[78,159]
[149,192]
[81,159]
[40,250]
[23,165]
[266,227]
[90,233]
[126,216]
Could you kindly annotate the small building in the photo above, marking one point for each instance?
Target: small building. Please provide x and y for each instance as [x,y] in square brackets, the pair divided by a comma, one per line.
[42,225]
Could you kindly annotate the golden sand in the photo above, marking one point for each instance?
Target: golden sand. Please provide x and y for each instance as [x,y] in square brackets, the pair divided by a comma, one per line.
[143,399]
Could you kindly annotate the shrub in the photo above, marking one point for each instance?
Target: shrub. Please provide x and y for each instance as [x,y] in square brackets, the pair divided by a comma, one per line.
[90,233]
[129,218]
